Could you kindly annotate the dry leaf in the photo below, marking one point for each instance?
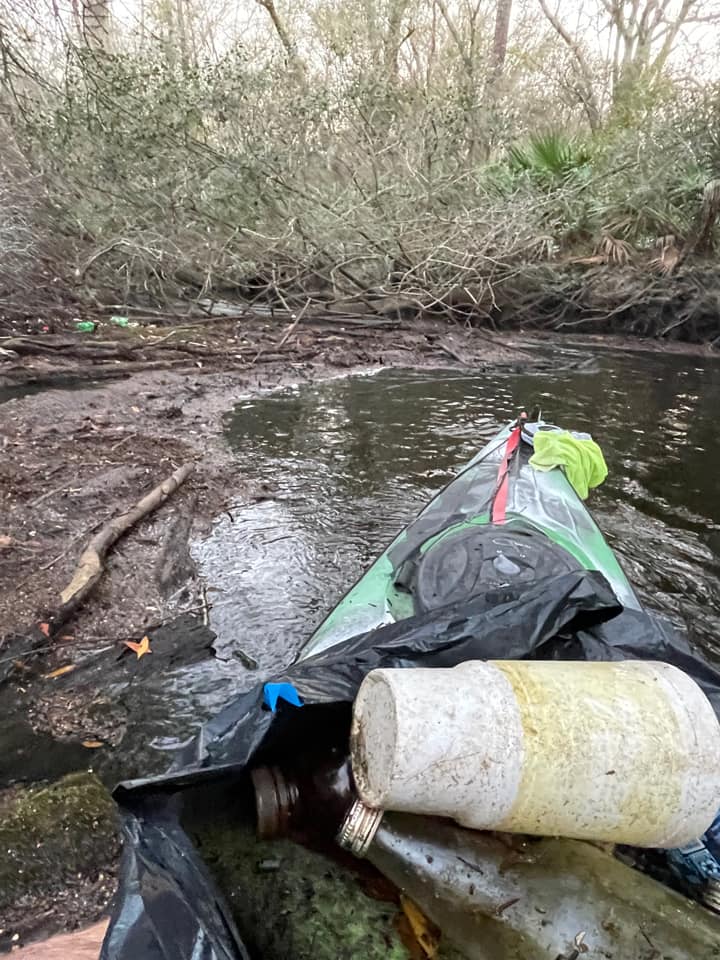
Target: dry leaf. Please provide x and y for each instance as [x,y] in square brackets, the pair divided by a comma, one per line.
[424,931]
[92,744]
[45,628]
[140,648]
[5,541]
[68,668]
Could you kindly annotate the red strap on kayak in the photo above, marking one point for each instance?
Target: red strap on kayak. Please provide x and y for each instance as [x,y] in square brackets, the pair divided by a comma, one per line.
[500,502]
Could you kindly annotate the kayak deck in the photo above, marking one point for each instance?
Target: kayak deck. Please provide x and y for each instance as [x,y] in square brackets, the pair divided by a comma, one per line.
[541,521]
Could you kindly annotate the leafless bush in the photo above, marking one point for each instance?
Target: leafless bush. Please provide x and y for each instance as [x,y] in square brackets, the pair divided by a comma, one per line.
[31,276]
[146,180]
[18,240]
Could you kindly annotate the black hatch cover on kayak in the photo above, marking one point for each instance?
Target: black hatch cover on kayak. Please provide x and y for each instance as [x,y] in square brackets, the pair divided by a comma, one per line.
[477,558]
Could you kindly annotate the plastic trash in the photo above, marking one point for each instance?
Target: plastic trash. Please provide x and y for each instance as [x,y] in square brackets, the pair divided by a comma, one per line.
[572,616]
[274,692]
[85,326]
[535,900]
[120,321]
[619,752]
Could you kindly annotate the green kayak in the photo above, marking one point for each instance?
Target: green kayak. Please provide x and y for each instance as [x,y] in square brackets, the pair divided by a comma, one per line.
[505,558]
[499,521]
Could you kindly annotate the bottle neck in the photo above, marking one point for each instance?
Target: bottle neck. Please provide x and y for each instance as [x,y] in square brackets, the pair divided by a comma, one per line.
[359,828]
[275,800]
[306,799]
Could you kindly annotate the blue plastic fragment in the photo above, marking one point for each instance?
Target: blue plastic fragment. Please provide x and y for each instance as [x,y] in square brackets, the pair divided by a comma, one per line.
[272,692]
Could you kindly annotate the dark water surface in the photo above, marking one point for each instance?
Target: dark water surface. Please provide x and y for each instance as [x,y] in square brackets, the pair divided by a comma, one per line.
[50,382]
[351,461]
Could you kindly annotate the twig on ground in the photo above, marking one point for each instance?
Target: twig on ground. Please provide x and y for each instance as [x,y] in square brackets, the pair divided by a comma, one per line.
[291,329]
[91,565]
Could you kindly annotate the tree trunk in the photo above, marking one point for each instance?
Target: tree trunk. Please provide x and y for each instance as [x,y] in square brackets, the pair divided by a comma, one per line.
[393,38]
[96,24]
[457,38]
[500,41]
[586,92]
[182,35]
[284,37]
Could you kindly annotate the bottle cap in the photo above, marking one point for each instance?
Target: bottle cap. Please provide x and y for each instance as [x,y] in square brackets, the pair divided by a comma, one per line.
[359,828]
[274,801]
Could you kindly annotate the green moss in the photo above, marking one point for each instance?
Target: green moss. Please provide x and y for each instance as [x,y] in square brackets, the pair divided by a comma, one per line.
[50,835]
[306,906]
[287,901]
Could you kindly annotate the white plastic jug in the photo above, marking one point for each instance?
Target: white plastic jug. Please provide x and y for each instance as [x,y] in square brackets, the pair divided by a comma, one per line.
[625,752]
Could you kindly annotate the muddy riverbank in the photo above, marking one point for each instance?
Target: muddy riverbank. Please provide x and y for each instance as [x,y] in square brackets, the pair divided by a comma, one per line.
[83,437]
[81,442]
[79,447]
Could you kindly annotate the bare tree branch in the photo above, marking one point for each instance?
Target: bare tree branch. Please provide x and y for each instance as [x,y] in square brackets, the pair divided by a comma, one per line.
[286,40]
[588,97]
[455,34]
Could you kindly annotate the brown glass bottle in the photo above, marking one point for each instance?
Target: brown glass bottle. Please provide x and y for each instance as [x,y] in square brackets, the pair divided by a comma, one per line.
[304,799]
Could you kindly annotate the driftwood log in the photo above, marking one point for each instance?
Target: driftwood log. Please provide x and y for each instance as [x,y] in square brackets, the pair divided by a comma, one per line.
[87,573]
[91,563]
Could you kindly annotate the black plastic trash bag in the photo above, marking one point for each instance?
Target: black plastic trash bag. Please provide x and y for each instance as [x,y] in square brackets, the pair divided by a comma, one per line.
[167,904]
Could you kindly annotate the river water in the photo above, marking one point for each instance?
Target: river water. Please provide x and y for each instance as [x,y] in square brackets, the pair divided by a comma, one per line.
[349,462]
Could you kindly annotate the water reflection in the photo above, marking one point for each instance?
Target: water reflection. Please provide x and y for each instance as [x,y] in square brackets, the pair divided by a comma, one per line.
[352,460]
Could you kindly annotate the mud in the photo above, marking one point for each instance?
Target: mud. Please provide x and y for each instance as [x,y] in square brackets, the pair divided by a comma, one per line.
[82,438]
[73,458]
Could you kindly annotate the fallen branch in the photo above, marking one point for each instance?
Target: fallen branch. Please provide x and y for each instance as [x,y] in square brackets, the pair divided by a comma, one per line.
[90,568]
[106,371]
[291,329]
[452,353]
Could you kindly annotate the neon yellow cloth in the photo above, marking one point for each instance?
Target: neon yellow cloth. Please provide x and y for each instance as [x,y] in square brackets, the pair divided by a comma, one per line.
[582,459]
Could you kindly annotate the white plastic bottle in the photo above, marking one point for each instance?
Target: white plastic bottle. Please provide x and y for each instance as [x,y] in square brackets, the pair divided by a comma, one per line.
[624,752]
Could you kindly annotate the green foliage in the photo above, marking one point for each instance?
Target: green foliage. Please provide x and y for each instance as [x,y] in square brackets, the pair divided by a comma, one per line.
[549,156]
[237,166]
